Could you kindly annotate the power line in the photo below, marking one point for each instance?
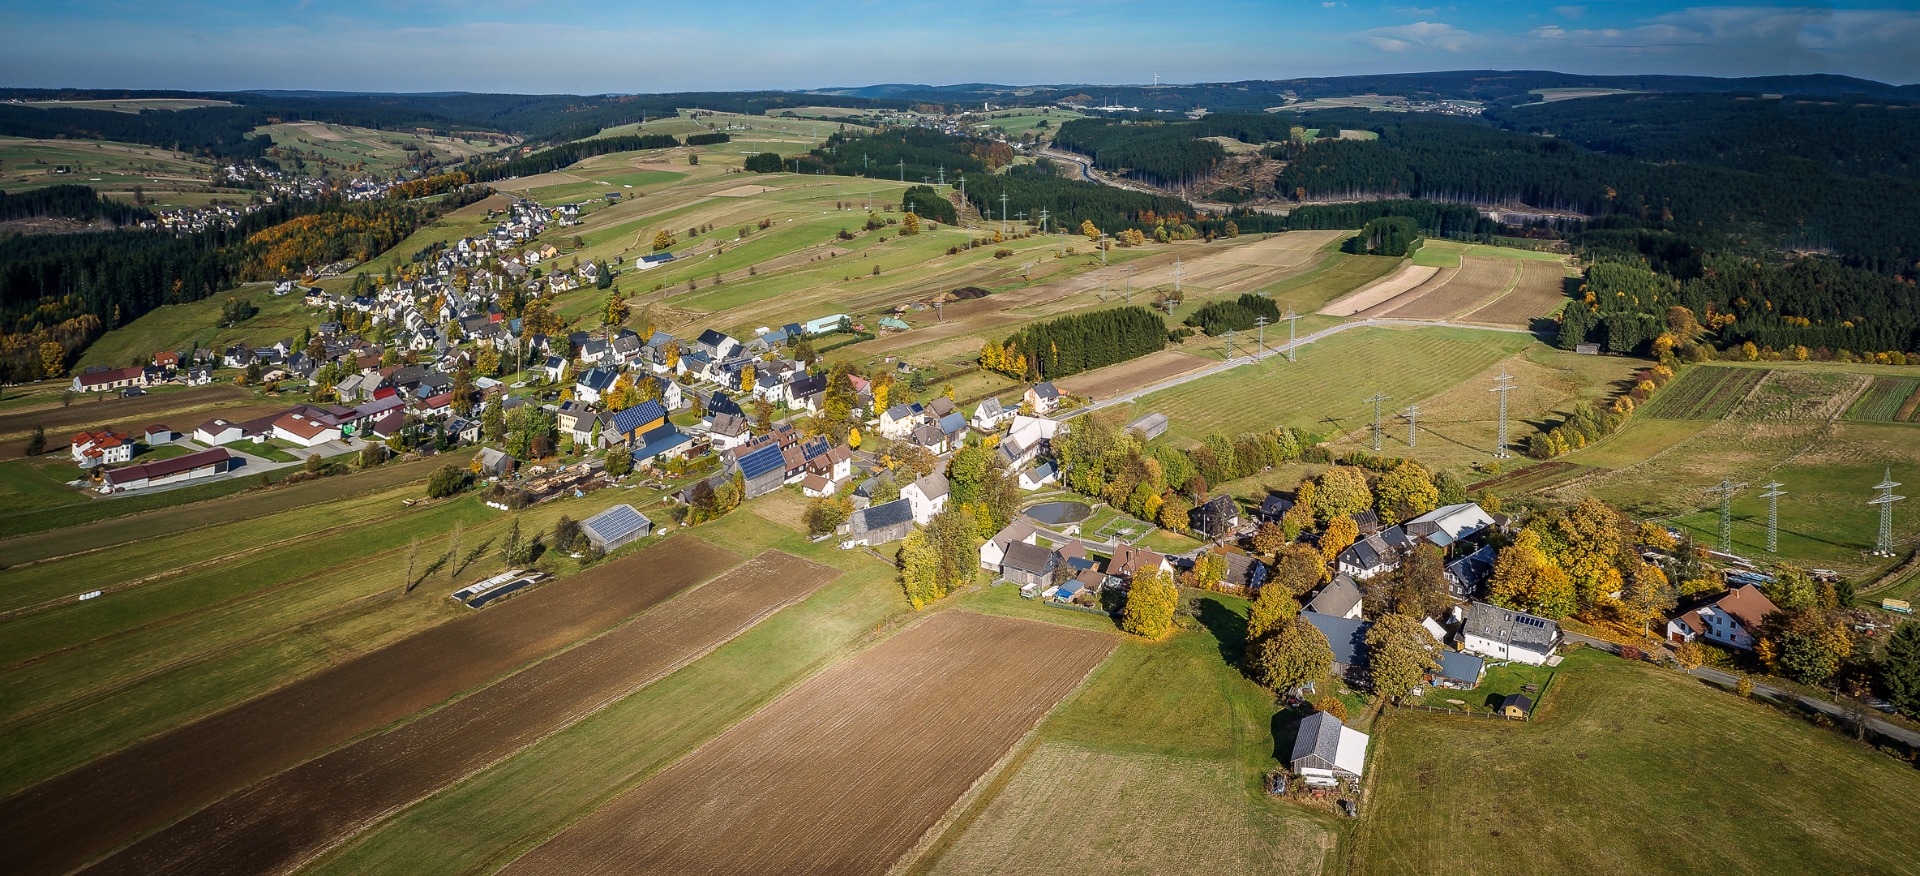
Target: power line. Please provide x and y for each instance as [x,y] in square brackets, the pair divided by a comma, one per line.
[1261,322]
[1883,546]
[1375,401]
[1725,491]
[1772,495]
[1293,320]
[1502,385]
[1413,424]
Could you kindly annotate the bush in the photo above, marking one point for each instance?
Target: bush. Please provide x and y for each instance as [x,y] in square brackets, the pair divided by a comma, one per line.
[1332,705]
[619,462]
[446,481]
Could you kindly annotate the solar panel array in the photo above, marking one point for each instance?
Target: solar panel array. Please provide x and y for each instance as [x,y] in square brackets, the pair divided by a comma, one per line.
[615,523]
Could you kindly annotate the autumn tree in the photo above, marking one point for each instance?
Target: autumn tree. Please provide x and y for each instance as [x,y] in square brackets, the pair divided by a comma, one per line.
[1340,535]
[1418,586]
[617,310]
[1647,596]
[1590,536]
[1273,607]
[662,239]
[910,225]
[1399,655]
[1404,493]
[623,395]
[826,513]
[1803,645]
[1087,228]
[1793,589]
[37,441]
[1297,568]
[53,359]
[1269,539]
[1526,579]
[1150,604]
[1296,653]
[1341,491]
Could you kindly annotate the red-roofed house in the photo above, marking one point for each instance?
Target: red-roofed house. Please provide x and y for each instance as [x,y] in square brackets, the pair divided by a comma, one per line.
[104,447]
[167,359]
[1128,561]
[108,381]
[1730,619]
[435,405]
[304,430]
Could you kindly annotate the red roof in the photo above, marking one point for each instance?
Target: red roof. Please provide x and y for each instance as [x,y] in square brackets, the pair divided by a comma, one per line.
[301,426]
[131,372]
[1744,603]
[162,468]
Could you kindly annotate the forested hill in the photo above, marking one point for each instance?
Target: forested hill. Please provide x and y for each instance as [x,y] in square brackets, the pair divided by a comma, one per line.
[1168,153]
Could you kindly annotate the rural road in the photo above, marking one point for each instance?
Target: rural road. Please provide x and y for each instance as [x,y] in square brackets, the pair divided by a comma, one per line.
[1131,396]
[1729,680]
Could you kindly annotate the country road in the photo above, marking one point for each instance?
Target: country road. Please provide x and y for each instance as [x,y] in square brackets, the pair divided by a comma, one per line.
[1129,397]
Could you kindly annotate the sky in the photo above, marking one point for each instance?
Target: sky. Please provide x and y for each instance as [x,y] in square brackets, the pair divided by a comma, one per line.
[599,46]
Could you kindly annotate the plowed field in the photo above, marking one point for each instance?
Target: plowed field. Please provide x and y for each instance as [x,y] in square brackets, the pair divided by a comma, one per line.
[298,813]
[1542,288]
[1384,290]
[1477,280]
[63,823]
[1144,371]
[844,774]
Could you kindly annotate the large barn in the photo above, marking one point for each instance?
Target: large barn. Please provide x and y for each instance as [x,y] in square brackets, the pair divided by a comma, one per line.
[615,526]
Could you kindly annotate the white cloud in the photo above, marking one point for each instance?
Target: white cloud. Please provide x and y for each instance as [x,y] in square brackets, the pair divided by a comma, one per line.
[1572,12]
[1420,35]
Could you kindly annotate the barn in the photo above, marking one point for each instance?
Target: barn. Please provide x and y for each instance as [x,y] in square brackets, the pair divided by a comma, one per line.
[616,526]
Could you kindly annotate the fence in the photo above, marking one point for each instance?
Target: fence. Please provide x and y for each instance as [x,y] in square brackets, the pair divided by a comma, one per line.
[1418,708]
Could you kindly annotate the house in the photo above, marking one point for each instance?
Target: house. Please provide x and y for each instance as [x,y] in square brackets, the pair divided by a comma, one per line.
[1029,565]
[1244,574]
[663,442]
[199,375]
[898,422]
[105,447]
[304,429]
[1445,526]
[1347,637]
[929,436]
[1215,517]
[928,495]
[1149,426]
[628,425]
[877,524]
[1026,439]
[592,385]
[1340,598]
[1467,576]
[835,464]
[1273,507]
[1458,670]
[216,432]
[493,463]
[989,415]
[817,486]
[205,463]
[728,431]
[167,359]
[1039,476]
[1516,706]
[1505,634]
[1375,554]
[158,434]
[1128,561]
[1327,752]
[389,424]
[616,526]
[953,428]
[1042,398]
[716,344]
[994,551]
[826,324]
[110,380]
[764,468]
[1730,619]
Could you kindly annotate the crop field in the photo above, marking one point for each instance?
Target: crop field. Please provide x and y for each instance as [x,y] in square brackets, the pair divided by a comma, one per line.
[1740,787]
[1478,281]
[1540,290]
[94,410]
[60,823]
[164,177]
[1409,277]
[1144,371]
[1888,400]
[298,813]
[341,146]
[838,776]
[1704,392]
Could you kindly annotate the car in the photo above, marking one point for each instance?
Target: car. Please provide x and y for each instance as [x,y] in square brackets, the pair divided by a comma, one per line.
[132,392]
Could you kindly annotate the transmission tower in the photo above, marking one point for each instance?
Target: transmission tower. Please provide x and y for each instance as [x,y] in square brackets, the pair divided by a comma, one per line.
[903,170]
[1043,220]
[1293,321]
[1502,385]
[1725,491]
[1412,414]
[1772,495]
[1262,324]
[1176,275]
[1229,345]
[1003,212]
[1375,401]
[1883,546]
[943,175]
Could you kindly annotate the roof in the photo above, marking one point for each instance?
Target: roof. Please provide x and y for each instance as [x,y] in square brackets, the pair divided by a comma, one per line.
[1346,636]
[301,426]
[1322,736]
[1378,549]
[1046,390]
[616,523]
[1275,505]
[1511,627]
[639,415]
[713,338]
[492,458]
[1460,666]
[1337,598]
[596,378]
[1030,558]
[98,377]
[933,484]
[761,460]
[883,515]
[989,409]
[1018,530]
[1128,560]
[1519,701]
[163,467]
[953,423]
[1445,525]
[658,441]
[1744,603]
[902,411]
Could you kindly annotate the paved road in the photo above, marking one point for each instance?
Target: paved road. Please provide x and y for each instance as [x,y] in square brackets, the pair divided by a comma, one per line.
[1729,680]
[1130,396]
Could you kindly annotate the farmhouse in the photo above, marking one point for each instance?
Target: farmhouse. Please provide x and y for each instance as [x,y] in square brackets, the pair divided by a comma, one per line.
[615,526]
[1730,619]
[1374,554]
[104,447]
[1028,565]
[1505,634]
[1326,751]
[1468,575]
[994,551]
[193,466]
[877,524]
[1042,398]
[1340,598]
[1274,507]
[1128,561]
[108,381]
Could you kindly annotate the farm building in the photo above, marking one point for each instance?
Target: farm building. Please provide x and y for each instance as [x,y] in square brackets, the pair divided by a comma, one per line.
[1028,565]
[994,551]
[1374,554]
[1505,634]
[1326,751]
[1516,706]
[108,381]
[1348,639]
[1340,598]
[306,431]
[1444,526]
[1730,619]
[158,434]
[825,324]
[493,463]
[193,466]
[1458,670]
[1149,427]
[877,524]
[615,526]
[764,468]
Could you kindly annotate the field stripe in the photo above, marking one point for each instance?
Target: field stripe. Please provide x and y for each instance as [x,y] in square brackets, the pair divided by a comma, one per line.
[845,773]
[297,814]
[68,820]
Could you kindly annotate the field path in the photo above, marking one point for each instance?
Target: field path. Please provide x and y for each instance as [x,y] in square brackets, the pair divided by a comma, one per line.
[295,815]
[845,773]
[69,820]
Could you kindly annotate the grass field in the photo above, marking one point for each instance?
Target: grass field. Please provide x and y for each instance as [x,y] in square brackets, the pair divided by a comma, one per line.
[178,326]
[1619,747]
[166,178]
[1440,253]
[321,146]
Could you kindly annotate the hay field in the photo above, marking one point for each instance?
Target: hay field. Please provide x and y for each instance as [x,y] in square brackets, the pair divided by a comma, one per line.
[1540,291]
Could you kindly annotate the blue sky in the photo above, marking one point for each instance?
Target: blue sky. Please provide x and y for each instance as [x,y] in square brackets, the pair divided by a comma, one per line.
[594,46]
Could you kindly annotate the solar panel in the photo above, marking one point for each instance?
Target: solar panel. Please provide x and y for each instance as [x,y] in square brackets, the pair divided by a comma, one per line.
[615,523]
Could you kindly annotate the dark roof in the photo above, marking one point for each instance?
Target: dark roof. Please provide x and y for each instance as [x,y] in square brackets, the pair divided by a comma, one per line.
[1030,558]
[639,415]
[1347,637]
[763,459]
[713,338]
[1046,390]
[801,387]
[1318,736]
[721,403]
[1460,666]
[884,515]
[1337,598]
[616,523]
[1511,627]
[1513,700]
[163,467]
[658,441]
[597,379]
[1275,505]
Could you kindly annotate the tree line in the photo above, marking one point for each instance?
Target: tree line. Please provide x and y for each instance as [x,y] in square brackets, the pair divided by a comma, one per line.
[69,201]
[1168,153]
[1239,314]
[1078,342]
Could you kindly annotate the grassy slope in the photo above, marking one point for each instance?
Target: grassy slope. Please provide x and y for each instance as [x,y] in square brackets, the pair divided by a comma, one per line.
[1631,769]
[175,326]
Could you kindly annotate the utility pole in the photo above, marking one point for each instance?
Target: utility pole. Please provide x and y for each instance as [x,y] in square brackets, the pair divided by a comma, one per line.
[1103,250]
[1176,275]
[1772,495]
[1261,322]
[1725,491]
[1502,385]
[1229,345]
[1375,401]
[903,170]
[1293,320]
[943,174]
[1003,211]
[1043,220]
[1413,425]
[1883,546]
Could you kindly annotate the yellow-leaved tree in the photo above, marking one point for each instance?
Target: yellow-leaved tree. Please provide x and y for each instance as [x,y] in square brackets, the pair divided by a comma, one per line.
[1150,604]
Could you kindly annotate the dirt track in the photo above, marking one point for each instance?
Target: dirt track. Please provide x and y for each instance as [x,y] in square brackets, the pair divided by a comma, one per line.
[844,774]
[293,816]
[71,819]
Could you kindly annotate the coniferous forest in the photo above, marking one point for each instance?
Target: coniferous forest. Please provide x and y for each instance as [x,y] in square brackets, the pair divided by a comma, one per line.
[1078,342]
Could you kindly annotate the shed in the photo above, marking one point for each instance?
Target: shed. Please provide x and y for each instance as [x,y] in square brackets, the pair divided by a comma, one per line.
[1150,426]
[1516,706]
[615,526]
[493,463]
[878,524]
[1326,751]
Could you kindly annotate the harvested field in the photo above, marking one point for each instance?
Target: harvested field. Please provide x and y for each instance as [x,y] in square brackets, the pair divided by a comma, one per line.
[538,180]
[1541,289]
[845,773]
[1144,371]
[1703,392]
[745,191]
[1400,282]
[1477,281]
[101,409]
[287,819]
[1522,479]
[68,820]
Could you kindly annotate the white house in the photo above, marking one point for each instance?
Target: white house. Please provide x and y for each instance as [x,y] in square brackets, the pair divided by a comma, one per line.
[216,432]
[1039,476]
[898,422]
[1445,525]
[1730,619]
[1326,751]
[303,430]
[1042,397]
[926,496]
[105,447]
[1504,634]
[994,550]
[989,415]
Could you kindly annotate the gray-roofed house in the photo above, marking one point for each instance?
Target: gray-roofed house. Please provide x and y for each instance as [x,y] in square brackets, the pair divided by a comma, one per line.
[1215,517]
[899,421]
[494,463]
[1274,507]
[1348,639]
[877,524]
[1340,598]
[1326,751]
[1468,575]
[928,496]
[1375,554]
[1028,565]
[1042,397]
[994,550]
[989,415]
[616,526]
[1458,670]
[1504,634]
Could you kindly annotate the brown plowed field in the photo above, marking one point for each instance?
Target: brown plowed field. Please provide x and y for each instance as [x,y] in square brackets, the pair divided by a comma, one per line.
[67,821]
[1542,288]
[1478,280]
[183,410]
[289,818]
[1144,371]
[845,773]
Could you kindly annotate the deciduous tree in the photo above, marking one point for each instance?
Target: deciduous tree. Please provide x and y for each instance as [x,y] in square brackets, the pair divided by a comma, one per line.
[1273,607]
[1526,579]
[1341,491]
[1295,653]
[1404,493]
[1340,535]
[1150,604]
[1399,655]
